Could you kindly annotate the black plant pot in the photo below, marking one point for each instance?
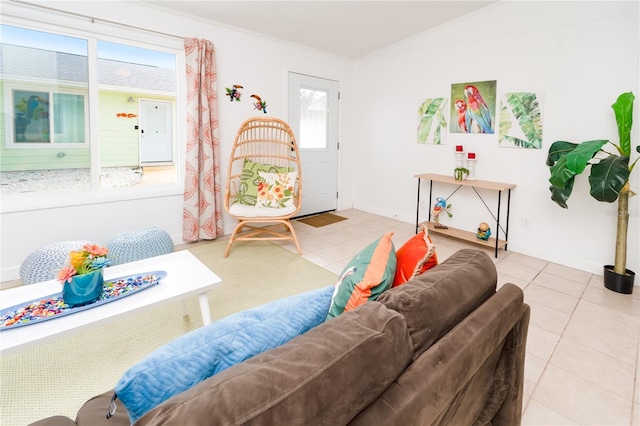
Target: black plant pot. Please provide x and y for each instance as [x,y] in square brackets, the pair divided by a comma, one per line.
[618,283]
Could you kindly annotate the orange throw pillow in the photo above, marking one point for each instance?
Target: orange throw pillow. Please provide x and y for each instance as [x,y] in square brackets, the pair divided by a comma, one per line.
[414,257]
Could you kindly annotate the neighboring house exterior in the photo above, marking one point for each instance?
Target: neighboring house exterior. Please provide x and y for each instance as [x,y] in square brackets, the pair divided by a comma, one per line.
[44,99]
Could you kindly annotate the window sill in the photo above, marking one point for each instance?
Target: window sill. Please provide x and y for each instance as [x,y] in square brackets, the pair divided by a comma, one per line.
[28,201]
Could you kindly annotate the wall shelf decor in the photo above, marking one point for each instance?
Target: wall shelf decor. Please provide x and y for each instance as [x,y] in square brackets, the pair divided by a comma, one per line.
[461,234]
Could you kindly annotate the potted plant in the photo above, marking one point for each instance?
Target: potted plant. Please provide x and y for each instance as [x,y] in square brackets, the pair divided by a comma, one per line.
[82,279]
[609,181]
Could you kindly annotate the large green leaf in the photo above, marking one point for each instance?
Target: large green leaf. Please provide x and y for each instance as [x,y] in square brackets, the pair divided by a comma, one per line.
[561,195]
[560,173]
[427,111]
[424,128]
[520,142]
[570,162]
[608,177]
[430,106]
[505,122]
[623,109]
[437,135]
[578,159]
[558,149]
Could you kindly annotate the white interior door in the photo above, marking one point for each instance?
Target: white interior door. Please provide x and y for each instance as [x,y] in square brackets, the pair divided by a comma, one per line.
[156,132]
[313,116]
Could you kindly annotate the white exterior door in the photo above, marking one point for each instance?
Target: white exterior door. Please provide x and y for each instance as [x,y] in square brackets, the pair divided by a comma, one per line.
[313,116]
[156,133]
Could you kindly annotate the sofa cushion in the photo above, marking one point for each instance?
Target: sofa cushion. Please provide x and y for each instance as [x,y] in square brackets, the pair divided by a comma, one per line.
[180,364]
[437,300]
[323,377]
[415,257]
[373,271]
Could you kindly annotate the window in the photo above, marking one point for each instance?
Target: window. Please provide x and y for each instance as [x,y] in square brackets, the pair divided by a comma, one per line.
[74,108]
[313,118]
[33,117]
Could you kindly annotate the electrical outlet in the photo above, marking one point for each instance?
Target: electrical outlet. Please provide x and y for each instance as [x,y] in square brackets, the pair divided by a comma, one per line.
[526,223]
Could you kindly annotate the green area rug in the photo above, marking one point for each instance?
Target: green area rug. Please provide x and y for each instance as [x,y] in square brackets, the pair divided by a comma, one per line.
[58,377]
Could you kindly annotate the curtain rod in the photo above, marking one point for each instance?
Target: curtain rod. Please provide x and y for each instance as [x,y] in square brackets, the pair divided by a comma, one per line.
[93,19]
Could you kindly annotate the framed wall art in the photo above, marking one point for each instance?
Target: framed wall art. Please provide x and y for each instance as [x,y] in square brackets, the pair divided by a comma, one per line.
[473,106]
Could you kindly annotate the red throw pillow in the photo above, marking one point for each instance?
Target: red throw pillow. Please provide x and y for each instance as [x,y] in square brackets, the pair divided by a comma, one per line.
[414,257]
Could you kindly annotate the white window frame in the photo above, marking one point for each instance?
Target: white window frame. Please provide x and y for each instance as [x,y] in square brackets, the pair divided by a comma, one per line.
[76,27]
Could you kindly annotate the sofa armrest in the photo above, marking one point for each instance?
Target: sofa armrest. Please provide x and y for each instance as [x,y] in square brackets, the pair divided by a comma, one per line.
[510,412]
[54,421]
[450,383]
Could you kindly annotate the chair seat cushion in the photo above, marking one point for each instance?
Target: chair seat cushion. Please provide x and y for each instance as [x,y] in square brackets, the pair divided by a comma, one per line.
[248,190]
[241,210]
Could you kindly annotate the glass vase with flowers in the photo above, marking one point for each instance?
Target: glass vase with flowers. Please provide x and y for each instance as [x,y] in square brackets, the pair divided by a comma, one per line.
[82,278]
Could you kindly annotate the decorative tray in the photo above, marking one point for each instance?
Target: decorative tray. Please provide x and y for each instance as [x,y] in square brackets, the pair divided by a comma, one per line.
[52,306]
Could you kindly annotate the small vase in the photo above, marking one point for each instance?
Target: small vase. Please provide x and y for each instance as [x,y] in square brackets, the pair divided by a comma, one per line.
[83,289]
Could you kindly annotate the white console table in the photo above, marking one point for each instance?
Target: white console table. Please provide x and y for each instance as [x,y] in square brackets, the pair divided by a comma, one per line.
[461,234]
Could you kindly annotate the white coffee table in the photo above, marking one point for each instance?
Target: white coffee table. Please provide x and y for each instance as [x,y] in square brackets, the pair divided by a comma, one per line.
[186,276]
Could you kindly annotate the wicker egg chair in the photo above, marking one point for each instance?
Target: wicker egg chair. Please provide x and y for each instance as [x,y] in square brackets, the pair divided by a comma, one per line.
[263,148]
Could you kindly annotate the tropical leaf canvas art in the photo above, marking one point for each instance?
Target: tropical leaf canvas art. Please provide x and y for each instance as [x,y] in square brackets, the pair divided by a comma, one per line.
[432,125]
[521,120]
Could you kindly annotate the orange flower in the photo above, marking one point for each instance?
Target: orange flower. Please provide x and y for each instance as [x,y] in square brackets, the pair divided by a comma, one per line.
[91,258]
[66,273]
[96,250]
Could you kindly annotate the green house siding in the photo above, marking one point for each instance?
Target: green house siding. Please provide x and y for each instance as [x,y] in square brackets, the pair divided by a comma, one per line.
[118,139]
[118,135]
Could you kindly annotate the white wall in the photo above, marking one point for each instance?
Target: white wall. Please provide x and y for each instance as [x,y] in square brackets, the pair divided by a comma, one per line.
[581,55]
[258,63]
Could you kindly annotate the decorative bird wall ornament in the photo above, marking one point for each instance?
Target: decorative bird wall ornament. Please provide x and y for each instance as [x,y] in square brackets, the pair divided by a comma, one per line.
[260,105]
[477,110]
[441,206]
[233,93]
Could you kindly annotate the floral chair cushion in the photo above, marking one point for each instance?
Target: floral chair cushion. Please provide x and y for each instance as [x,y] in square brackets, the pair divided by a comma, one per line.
[276,189]
[247,191]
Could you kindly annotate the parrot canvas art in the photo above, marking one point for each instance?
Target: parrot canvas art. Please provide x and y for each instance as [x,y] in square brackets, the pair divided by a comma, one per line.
[473,107]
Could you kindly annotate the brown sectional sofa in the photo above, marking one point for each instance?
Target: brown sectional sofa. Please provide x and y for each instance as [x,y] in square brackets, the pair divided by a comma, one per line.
[443,349]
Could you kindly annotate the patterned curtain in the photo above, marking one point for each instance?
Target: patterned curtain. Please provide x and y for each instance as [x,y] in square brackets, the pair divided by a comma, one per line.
[202,213]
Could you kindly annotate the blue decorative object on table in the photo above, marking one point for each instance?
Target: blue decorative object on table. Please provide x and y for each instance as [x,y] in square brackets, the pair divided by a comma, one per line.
[53,306]
[137,245]
[83,289]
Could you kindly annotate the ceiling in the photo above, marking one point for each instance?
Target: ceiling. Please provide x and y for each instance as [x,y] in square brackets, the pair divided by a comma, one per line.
[346,28]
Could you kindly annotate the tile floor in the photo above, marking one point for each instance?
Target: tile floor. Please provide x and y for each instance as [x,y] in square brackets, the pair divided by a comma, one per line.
[583,348]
